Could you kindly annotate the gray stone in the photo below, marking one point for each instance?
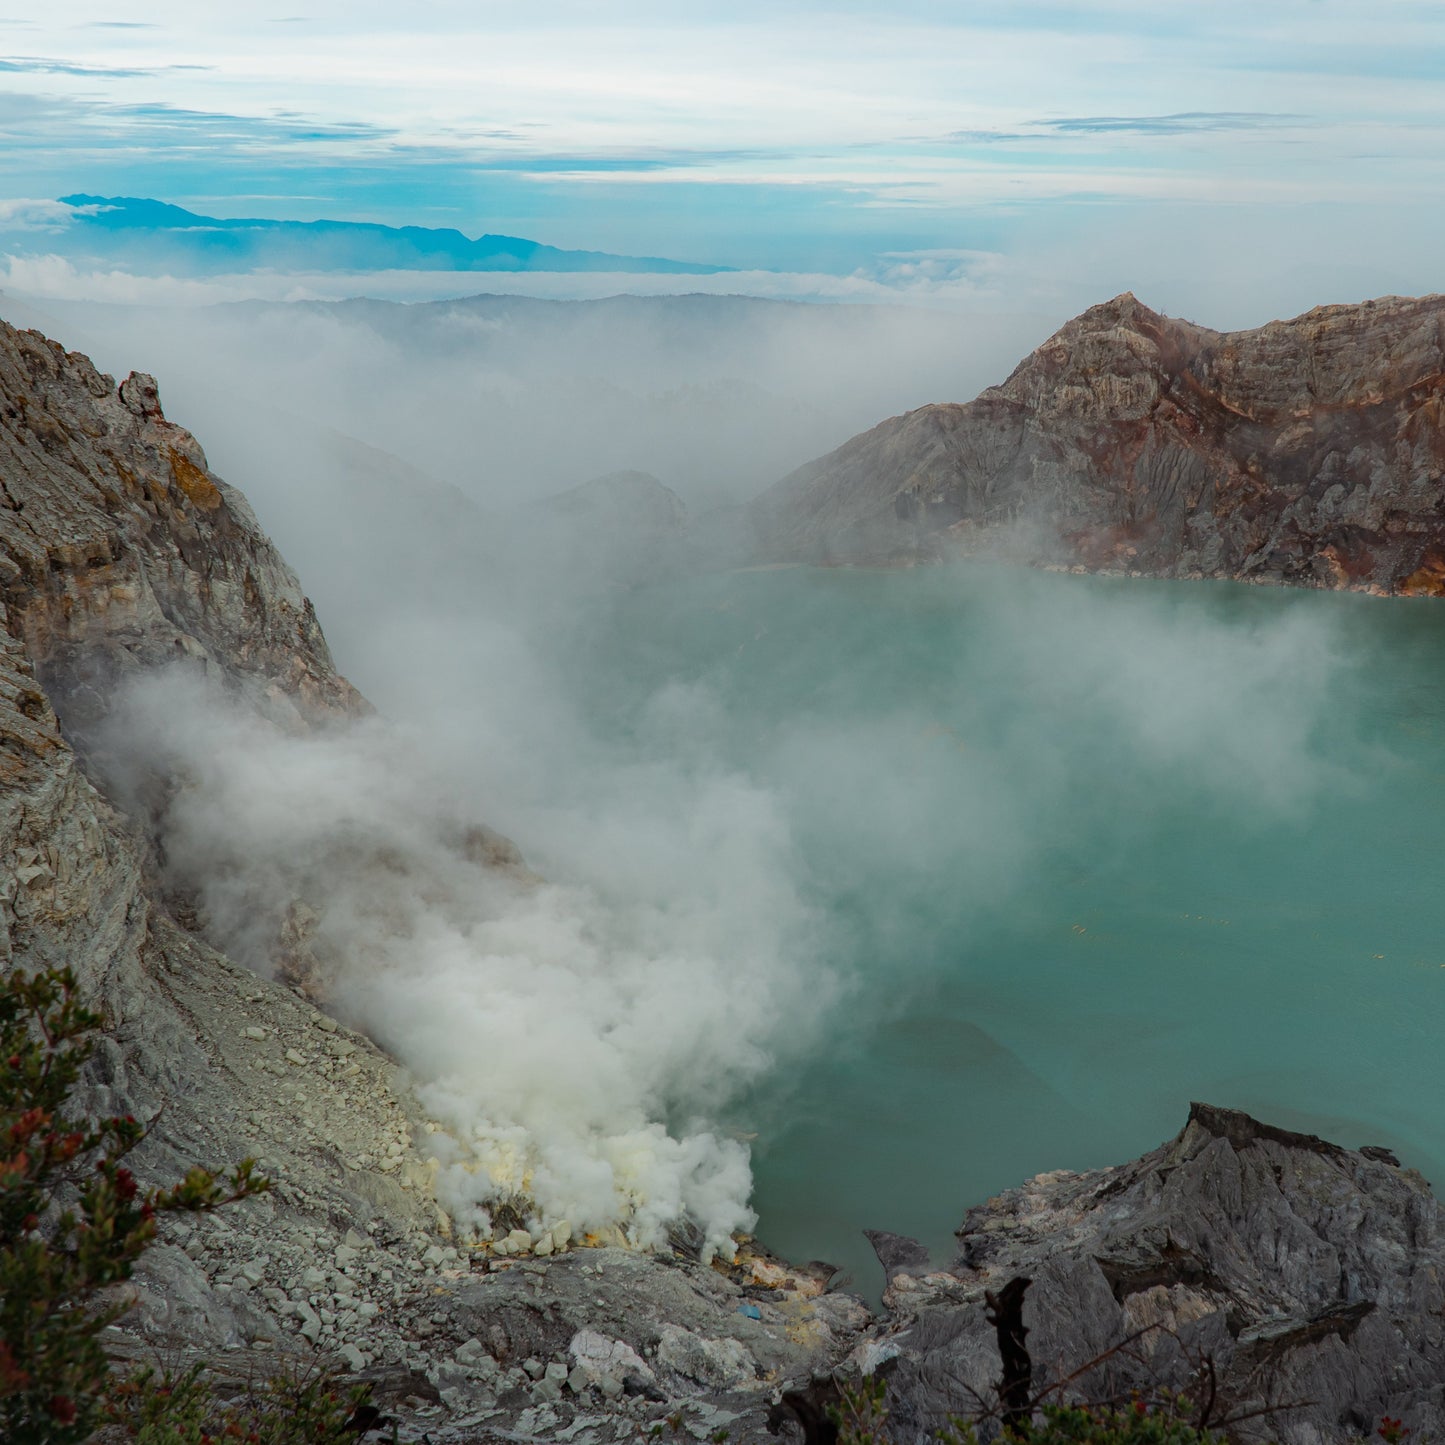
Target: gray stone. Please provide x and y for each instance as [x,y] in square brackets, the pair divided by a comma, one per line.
[1303,1271]
[722,1364]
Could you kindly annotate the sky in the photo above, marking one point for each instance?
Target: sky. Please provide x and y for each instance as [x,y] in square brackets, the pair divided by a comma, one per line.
[1250,158]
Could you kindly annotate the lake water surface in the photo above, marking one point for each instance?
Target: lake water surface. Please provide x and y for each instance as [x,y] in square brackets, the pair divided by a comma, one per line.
[1079,850]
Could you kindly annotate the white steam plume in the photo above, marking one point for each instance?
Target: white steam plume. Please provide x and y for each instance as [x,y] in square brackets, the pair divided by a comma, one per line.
[554,1033]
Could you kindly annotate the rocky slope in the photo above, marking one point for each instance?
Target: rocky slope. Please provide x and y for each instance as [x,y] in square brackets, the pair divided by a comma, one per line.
[619,530]
[1308,451]
[119,552]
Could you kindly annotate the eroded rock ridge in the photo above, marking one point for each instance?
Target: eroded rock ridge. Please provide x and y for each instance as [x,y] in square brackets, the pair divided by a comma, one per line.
[1308,451]
[1306,1279]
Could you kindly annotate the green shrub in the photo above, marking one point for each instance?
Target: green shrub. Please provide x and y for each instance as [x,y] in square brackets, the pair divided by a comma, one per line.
[300,1409]
[72,1217]
[862,1419]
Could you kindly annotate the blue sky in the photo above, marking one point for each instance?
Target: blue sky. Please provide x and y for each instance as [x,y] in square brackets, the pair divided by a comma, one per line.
[987,148]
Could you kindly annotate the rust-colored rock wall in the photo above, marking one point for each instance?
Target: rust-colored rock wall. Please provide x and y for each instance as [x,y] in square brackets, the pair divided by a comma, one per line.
[1308,451]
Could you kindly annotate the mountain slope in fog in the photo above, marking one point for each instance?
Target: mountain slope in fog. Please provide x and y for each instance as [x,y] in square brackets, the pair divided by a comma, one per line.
[1308,451]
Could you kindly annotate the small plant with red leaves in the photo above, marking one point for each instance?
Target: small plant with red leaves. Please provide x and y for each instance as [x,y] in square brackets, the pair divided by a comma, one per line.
[73,1219]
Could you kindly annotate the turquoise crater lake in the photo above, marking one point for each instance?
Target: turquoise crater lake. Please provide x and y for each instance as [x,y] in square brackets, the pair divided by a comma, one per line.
[1078,850]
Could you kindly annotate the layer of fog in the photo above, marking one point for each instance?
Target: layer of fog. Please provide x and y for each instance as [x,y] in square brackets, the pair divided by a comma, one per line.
[584,1039]
[997,266]
[508,399]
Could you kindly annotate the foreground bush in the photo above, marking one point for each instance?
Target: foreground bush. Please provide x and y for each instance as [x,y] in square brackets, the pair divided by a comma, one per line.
[862,1419]
[72,1217]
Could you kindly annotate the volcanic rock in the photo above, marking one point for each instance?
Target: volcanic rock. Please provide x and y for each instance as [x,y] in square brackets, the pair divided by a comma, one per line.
[1308,451]
[619,530]
[1303,1282]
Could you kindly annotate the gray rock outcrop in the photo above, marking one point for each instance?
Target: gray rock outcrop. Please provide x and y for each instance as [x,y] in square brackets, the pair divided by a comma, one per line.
[1308,451]
[1308,1280]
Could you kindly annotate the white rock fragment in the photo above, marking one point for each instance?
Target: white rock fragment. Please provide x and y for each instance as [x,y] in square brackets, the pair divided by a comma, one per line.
[601,1358]
[722,1364]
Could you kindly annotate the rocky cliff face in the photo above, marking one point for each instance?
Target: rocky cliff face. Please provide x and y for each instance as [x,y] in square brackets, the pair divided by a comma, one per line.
[1308,451]
[120,551]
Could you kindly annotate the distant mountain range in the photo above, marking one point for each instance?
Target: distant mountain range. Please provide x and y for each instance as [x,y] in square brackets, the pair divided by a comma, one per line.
[131,228]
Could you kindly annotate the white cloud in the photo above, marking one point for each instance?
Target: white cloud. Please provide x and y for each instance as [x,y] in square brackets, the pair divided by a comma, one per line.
[55,278]
[30,214]
[790,96]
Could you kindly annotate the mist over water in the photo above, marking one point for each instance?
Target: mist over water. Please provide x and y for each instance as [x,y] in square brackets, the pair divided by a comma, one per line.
[1087,849]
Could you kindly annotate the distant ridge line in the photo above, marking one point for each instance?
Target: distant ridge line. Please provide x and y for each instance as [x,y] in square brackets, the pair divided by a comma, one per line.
[363,244]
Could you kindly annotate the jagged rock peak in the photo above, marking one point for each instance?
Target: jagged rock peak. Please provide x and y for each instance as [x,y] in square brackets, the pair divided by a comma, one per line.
[1308,451]
[120,549]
